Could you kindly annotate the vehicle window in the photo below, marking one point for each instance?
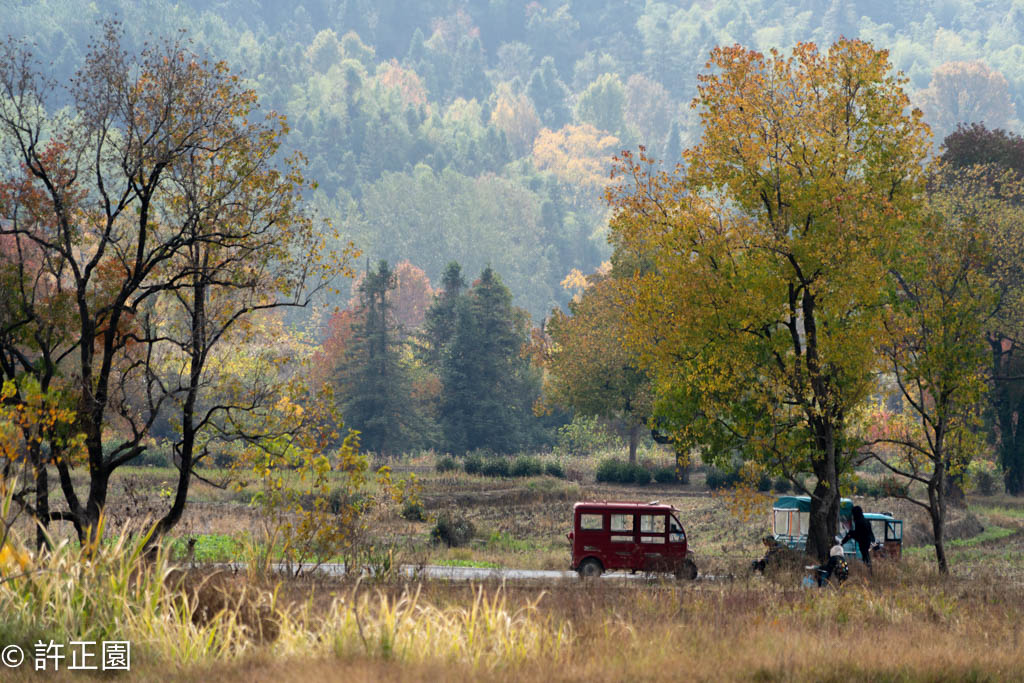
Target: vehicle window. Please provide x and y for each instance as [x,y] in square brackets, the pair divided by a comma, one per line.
[878,529]
[591,522]
[676,534]
[782,522]
[652,524]
[621,523]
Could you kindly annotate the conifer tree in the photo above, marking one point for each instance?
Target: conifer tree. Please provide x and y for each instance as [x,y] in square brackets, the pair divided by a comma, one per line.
[487,387]
[441,319]
[373,381]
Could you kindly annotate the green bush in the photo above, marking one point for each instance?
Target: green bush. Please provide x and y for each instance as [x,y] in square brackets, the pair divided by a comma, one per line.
[782,485]
[764,483]
[525,466]
[585,435]
[495,467]
[721,479]
[608,470]
[553,469]
[452,529]
[983,475]
[156,456]
[446,464]
[473,464]
[618,471]
[413,511]
[665,475]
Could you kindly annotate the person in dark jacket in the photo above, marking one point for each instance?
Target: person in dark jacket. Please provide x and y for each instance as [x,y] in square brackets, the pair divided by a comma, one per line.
[862,533]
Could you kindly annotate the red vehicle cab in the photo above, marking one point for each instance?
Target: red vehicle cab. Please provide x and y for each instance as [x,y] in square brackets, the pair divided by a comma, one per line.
[644,537]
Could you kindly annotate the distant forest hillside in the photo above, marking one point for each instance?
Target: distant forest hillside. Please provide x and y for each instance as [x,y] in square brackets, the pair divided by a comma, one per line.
[481,131]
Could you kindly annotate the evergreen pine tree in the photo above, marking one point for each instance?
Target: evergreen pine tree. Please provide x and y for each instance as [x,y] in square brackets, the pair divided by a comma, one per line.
[487,388]
[373,381]
[439,326]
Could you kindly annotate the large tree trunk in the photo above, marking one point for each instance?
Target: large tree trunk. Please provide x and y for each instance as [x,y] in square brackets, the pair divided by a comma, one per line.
[824,516]
[824,520]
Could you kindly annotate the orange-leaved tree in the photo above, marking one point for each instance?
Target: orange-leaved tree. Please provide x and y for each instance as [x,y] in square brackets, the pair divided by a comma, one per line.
[758,309]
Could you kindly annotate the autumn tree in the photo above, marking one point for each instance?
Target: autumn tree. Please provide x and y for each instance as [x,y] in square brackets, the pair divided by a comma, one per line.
[760,311]
[965,92]
[994,161]
[578,156]
[408,300]
[164,216]
[943,297]
[516,117]
[589,367]
[975,144]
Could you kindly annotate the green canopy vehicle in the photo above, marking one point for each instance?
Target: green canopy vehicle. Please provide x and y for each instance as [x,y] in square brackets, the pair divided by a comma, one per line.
[791,521]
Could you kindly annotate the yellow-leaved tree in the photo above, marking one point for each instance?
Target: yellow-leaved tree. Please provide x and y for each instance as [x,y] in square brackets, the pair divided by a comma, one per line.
[764,257]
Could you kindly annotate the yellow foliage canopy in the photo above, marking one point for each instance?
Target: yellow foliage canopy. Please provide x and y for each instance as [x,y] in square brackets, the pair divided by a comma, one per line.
[757,306]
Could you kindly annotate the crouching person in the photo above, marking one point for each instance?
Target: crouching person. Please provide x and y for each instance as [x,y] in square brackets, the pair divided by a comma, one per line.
[772,547]
[835,567]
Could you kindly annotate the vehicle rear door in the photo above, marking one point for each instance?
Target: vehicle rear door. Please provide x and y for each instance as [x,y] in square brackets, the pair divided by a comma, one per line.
[623,550]
[654,547]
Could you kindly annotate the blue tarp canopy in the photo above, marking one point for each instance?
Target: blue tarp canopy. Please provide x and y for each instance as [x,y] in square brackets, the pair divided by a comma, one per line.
[803,504]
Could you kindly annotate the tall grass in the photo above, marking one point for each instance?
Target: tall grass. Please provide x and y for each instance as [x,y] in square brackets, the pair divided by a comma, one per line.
[113,591]
[487,633]
[118,591]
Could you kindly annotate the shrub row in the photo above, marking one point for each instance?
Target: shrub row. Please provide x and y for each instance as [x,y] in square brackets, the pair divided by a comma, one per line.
[496,466]
[723,479]
[613,470]
[887,487]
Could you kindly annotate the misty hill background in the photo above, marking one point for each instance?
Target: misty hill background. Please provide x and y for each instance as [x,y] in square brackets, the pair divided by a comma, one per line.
[481,131]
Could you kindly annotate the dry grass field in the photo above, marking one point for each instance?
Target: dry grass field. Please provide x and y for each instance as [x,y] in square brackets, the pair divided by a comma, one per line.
[903,622]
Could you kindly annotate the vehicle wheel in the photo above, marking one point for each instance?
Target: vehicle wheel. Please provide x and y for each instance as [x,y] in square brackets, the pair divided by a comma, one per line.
[688,570]
[590,568]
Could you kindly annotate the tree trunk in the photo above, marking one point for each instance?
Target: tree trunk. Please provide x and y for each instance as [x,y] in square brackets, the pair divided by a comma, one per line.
[824,516]
[1008,410]
[1012,456]
[824,520]
[682,467]
[937,511]
[634,439]
[42,498]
